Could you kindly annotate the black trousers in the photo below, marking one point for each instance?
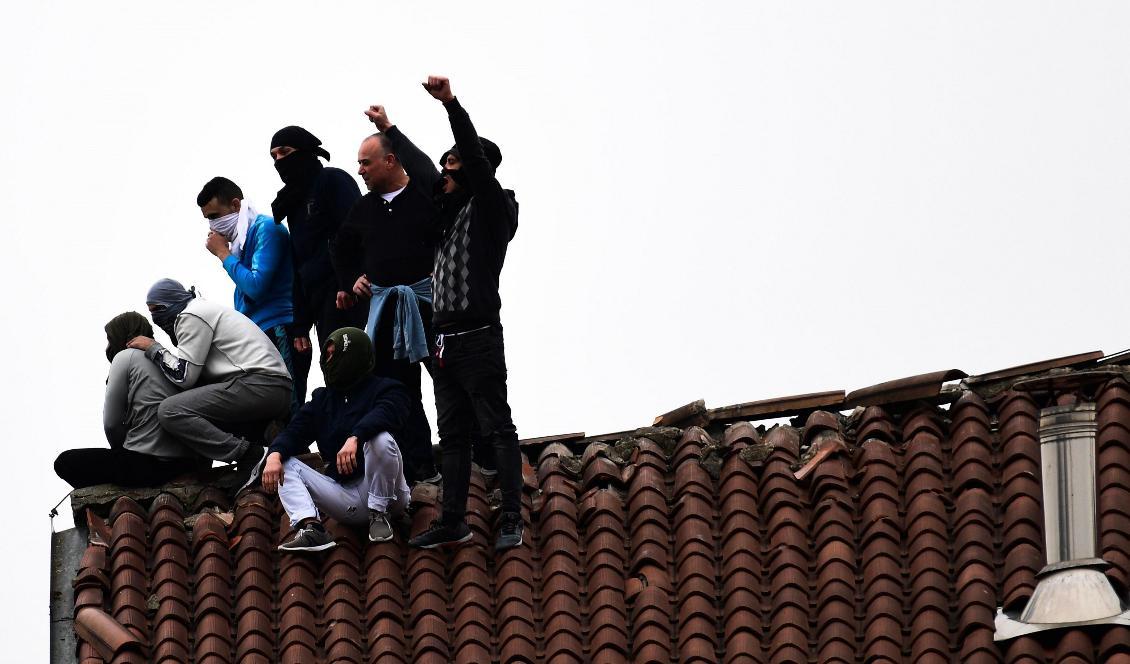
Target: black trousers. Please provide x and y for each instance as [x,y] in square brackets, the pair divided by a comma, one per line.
[328,319]
[415,441]
[99,465]
[470,386]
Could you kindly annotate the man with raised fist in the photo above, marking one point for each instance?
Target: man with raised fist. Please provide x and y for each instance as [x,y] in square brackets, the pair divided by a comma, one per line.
[476,220]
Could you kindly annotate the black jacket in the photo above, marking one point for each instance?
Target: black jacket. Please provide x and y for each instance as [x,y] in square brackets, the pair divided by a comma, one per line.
[374,406]
[472,247]
[391,243]
[312,228]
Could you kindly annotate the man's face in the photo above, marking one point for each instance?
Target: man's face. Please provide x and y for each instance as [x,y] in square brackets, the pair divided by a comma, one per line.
[281,151]
[452,163]
[215,208]
[374,166]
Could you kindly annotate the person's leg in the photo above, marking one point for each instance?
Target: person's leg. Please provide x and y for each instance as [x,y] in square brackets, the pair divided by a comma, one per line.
[485,380]
[454,419]
[192,415]
[87,467]
[304,492]
[386,488]
[285,344]
[415,440]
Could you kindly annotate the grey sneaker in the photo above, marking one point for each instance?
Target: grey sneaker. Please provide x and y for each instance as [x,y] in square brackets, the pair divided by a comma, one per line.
[488,473]
[379,528]
[309,538]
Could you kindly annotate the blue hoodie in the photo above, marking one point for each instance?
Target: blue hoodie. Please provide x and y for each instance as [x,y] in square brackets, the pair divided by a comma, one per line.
[264,274]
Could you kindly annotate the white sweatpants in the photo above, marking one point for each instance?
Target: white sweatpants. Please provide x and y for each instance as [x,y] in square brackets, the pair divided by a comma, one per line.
[304,491]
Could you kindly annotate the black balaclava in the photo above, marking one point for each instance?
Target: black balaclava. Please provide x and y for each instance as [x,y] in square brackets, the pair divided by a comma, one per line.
[450,204]
[171,298]
[297,170]
[124,327]
[352,358]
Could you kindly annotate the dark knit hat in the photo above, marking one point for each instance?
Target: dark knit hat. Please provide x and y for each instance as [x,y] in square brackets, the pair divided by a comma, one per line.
[493,154]
[299,139]
[352,358]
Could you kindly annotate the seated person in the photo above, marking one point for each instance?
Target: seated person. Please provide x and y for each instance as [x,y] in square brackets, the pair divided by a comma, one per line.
[229,373]
[140,453]
[353,419]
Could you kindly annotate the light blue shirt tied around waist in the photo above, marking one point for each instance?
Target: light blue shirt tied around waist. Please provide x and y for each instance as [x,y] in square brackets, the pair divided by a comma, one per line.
[408,338]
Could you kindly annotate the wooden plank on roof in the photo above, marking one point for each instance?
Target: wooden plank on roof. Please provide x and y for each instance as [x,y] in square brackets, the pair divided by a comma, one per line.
[694,412]
[778,407]
[545,440]
[1036,367]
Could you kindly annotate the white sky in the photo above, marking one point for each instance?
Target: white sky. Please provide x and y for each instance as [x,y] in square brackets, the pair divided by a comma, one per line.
[729,201]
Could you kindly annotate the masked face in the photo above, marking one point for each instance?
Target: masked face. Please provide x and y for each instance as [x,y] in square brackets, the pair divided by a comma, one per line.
[222,217]
[453,176]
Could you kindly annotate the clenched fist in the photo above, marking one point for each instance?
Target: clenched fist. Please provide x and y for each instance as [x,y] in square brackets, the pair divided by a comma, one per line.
[378,116]
[439,87]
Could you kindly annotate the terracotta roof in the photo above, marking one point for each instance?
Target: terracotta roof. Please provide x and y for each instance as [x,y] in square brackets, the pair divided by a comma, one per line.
[909,527]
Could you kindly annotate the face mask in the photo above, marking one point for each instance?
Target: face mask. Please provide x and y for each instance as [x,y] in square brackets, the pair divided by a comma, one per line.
[457,175]
[296,167]
[225,225]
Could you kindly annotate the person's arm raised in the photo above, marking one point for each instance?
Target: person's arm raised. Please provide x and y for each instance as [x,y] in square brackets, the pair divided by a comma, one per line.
[416,164]
[479,170]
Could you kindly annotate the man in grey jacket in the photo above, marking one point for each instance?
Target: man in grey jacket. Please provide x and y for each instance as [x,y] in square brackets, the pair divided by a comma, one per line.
[230,374]
[140,452]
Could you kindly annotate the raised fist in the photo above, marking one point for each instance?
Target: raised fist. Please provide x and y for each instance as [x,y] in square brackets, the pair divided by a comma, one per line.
[439,87]
[378,116]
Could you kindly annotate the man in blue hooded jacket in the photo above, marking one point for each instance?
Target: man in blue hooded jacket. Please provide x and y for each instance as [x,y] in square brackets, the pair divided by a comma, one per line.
[255,252]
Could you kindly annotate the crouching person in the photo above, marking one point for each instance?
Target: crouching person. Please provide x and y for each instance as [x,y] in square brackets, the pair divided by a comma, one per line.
[231,377]
[140,452]
[353,419]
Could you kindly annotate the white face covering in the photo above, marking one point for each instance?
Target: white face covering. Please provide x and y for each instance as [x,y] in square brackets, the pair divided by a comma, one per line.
[234,226]
[225,225]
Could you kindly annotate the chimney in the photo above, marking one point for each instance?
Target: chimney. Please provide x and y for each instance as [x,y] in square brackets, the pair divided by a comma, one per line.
[1072,589]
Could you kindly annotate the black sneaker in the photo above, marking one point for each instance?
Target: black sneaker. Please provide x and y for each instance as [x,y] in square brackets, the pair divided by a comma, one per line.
[441,534]
[510,529]
[253,457]
[309,538]
[379,528]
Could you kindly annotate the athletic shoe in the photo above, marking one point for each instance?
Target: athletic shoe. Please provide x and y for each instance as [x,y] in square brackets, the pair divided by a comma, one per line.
[256,455]
[309,538]
[440,534]
[379,528]
[488,473]
[509,532]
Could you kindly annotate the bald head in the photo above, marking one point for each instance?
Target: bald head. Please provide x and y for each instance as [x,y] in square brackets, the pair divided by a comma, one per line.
[378,166]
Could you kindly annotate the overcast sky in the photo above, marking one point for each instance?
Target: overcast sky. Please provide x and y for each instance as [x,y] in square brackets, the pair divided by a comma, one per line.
[728,201]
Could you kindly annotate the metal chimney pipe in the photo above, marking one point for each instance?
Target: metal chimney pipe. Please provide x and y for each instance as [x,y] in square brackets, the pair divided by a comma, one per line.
[1072,588]
[1067,457]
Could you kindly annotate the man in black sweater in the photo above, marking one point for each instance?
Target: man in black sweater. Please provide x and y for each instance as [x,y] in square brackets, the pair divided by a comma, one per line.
[314,202]
[383,257]
[477,219]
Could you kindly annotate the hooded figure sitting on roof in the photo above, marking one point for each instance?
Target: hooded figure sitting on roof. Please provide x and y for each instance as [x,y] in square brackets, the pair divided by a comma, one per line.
[231,377]
[140,452]
[354,419]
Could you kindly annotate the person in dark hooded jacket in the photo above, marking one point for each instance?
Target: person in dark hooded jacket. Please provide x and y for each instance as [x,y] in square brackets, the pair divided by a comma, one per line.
[354,419]
[314,202]
[477,220]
